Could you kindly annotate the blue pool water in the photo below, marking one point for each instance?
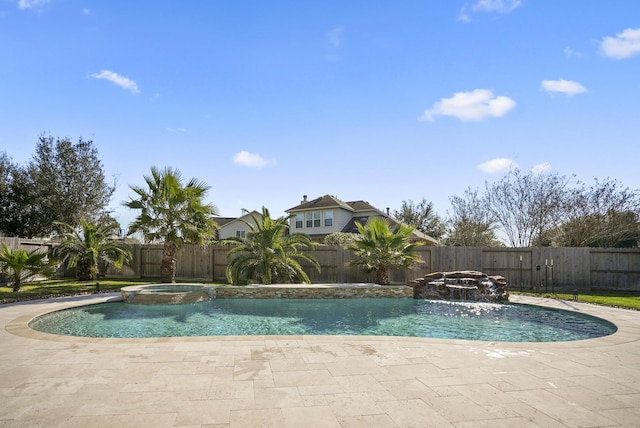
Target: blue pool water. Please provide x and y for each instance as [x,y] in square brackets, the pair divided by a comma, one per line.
[368,316]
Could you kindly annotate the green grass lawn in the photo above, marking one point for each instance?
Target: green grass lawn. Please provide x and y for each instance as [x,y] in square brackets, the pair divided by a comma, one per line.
[62,287]
[616,299]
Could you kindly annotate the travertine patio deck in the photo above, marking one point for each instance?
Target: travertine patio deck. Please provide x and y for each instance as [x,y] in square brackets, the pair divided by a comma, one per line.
[315,381]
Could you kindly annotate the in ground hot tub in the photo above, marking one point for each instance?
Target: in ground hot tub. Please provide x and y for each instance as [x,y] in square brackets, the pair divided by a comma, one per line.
[167,294]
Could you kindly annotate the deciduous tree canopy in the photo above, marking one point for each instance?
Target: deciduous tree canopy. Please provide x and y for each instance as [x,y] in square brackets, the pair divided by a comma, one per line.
[526,205]
[531,209]
[471,223]
[605,214]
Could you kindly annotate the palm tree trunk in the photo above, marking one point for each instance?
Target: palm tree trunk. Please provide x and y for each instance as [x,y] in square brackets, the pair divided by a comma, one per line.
[84,270]
[382,275]
[168,265]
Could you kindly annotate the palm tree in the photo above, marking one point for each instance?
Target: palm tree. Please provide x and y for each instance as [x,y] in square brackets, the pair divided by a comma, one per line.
[21,265]
[378,248]
[267,254]
[85,246]
[172,213]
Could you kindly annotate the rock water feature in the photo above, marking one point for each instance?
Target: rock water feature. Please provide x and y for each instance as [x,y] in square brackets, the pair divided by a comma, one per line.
[461,285]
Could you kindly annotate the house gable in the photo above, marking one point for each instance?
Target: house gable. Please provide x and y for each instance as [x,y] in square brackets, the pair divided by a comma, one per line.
[235,227]
[319,217]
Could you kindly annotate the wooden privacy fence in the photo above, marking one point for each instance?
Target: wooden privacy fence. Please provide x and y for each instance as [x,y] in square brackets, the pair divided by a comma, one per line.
[29,245]
[542,269]
[26,244]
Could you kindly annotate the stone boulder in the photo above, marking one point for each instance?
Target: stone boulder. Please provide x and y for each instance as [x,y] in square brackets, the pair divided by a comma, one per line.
[461,285]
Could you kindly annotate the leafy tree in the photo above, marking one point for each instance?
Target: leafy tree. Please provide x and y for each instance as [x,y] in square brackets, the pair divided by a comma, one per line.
[172,213]
[63,183]
[70,182]
[526,206]
[6,169]
[605,214]
[18,201]
[340,239]
[471,224]
[268,254]
[379,248]
[422,216]
[86,246]
[611,230]
[21,265]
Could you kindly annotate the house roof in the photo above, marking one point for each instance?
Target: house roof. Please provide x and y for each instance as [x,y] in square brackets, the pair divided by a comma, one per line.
[325,201]
[363,206]
[247,216]
[328,201]
[221,221]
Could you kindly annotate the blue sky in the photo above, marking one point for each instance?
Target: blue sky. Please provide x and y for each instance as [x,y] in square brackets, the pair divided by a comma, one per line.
[378,101]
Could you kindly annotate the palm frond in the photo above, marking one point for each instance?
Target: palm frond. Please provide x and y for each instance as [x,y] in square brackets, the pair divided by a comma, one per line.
[268,254]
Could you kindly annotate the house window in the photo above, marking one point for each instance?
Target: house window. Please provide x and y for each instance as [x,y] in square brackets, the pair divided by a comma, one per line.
[312,219]
[240,234]
[328,218]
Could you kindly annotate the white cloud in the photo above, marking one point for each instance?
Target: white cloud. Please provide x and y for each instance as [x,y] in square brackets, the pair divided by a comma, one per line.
[478,104]
[497,6]
[567,87]
[245,158]
[86,11]
[32,4]
[542,168]
[498,165]
[335,37]
[123,82]
[623,45]
[568,52]
[464,16]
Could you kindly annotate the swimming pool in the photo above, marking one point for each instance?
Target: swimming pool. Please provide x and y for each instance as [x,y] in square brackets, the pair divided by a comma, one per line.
[366,316]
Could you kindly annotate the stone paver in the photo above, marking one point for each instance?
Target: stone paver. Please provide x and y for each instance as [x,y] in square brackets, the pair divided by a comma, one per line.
[320,381]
